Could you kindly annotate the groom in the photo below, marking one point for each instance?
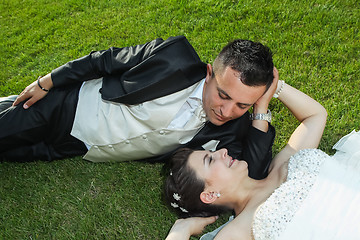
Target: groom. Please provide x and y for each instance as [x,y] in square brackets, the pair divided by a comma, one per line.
[144,102]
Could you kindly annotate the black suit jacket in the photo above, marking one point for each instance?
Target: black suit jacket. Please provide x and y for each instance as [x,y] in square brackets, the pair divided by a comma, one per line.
[132,75]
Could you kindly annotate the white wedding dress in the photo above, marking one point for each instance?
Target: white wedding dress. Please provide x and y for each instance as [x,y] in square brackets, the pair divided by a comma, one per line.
[320,199]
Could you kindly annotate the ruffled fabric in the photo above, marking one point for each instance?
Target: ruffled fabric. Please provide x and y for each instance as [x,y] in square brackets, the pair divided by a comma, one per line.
[348,150]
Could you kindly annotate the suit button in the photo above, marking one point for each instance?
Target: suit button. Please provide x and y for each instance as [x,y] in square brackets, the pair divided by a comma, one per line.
[144,136]
[127,141]
[110,146]
[162,132]
[96,147]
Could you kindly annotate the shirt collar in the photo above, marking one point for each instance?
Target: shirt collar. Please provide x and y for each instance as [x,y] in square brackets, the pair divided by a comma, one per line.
[198,92]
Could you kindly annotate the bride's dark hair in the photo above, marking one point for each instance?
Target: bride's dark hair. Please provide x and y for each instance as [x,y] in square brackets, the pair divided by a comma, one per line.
[183,189]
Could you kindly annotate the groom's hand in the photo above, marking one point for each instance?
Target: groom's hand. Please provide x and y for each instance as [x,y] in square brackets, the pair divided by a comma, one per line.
[262,104]
[265,99]
[33,92]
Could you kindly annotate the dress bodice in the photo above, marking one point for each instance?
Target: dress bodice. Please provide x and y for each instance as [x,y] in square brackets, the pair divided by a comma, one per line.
[277,211]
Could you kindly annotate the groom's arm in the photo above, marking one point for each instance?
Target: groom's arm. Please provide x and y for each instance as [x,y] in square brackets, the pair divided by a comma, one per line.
[95,65]
[113,61]
[260,137]
[257,151]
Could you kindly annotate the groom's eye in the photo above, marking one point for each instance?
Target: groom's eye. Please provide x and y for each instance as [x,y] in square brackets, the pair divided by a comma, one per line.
[242,106]
[223,96]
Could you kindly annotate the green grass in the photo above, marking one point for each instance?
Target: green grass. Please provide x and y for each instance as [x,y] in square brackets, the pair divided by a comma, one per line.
[316,46]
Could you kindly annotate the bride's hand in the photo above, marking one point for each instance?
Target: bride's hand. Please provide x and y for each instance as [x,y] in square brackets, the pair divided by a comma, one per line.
[184,228]
[33,92]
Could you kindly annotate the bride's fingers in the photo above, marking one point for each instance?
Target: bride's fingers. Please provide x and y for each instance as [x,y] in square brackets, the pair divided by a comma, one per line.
[209,220]
[201,222]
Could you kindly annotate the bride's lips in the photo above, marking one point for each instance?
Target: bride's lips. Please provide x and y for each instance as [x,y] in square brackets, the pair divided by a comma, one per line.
[231,162]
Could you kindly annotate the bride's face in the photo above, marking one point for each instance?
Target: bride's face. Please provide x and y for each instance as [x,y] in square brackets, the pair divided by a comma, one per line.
[217,168]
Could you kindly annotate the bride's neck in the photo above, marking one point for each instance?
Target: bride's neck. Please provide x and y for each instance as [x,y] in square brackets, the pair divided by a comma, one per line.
[251,189]
[255,192]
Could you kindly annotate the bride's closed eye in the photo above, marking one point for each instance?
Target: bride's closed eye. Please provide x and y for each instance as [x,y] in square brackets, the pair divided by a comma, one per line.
[210,159]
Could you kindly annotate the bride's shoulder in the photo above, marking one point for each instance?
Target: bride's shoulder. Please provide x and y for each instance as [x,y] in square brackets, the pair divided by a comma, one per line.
[279,164]
[282,157]
[288,153]
[238,228]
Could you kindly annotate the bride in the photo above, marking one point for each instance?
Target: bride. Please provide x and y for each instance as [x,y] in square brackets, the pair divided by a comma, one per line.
[307,194]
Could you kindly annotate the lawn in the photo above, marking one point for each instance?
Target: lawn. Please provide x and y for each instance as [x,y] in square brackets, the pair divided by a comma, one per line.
[316,46]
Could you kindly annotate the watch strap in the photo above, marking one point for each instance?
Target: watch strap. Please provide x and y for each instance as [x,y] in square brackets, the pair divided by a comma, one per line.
[261,116]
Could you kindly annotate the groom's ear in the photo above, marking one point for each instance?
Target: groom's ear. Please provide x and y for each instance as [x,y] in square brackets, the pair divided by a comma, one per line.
[208,197]
[209,73]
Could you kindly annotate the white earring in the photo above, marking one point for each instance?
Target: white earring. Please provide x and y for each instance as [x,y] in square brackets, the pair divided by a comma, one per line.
[218,195]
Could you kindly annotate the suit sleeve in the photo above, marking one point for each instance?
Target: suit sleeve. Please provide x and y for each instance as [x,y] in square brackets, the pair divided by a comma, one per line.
[244,142]
[257,148]
[113,61]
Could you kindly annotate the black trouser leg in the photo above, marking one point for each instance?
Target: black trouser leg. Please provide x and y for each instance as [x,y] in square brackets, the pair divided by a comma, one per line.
[6,102]
[42,131]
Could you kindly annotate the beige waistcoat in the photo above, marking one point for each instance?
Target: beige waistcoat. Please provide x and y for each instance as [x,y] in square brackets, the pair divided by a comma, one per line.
[119,132]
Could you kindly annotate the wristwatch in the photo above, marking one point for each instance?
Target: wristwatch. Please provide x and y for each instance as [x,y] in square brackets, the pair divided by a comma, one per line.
[261,116]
